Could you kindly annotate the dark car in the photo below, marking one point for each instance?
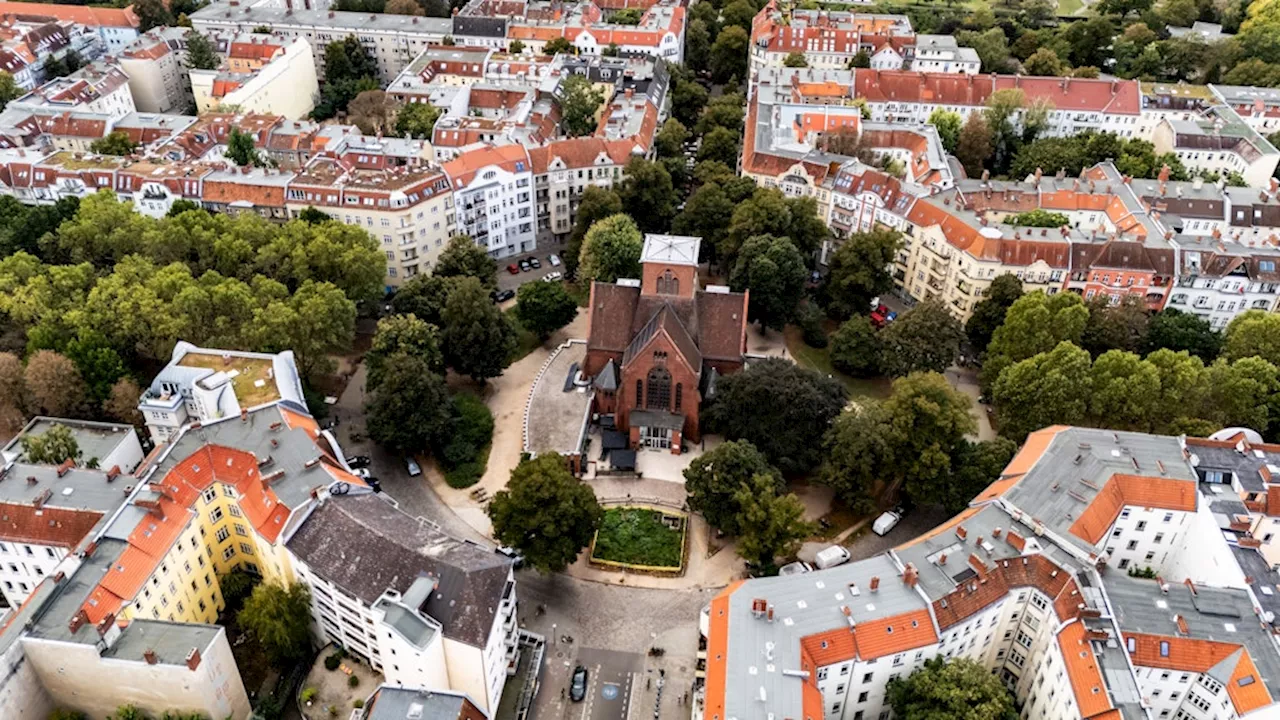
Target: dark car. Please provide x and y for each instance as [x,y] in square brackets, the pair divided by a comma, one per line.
[578,688]
[535,262]
[514,269]
[525,266]
[503,295]
[355,462]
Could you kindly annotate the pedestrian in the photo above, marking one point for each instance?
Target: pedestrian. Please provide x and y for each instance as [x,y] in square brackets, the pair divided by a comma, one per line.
[561,693]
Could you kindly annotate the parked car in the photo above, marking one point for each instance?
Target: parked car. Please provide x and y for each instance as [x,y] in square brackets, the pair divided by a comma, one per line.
[554,260]
[882,316]
[795,568]
[535,262]
[886,522]
[512,553]
[831,557]
[552,276]
[525,266]
[362,473]
[503,295]
[358,461]
[412,466]
[514,269]
[578,688]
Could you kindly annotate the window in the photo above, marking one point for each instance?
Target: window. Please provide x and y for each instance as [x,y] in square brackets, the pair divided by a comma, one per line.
[210,494]
[1164,648]
[215,515]
[241,531]
[679,396]
[235,511]
[1168,517]
[668,284]
[866,678]
[229,552]
[862,697]
[659,395]
[1124,563]
[246,549]
[639,392]
[1142,525]
[228,491]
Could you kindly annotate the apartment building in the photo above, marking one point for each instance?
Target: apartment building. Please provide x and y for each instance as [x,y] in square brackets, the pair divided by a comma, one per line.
[156,65]
[430,612]
[31,41]
[1259,107]
[1030,581]
[393,703]
[260,74]
[1220,143]
[563,170]
[493,198]
[52,510]
[117,27]
[99,87]
[829,39]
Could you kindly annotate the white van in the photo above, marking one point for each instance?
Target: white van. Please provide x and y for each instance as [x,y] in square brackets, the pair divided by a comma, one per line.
[885,523]
[831,557]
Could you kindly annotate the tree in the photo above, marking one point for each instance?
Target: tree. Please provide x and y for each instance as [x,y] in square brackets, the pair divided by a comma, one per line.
[121,404]
[280,617]
[1040,218]
[544,308]
[989,313]
[462,257]
[1047,389]
[948,125]
[771,524]
[859,270]
[926,337]
[372,110]
[579,104]
[53,447]
[398,334]
[1125,390]
[98,363]
[725,111]
[648,194]
[1177,330]
[9,89]
[182,205]
[707,214]
[1122,326]
[671,138]
[719,144]
[729,54]
[856,450]
[417,120]
[115,143]
[557,46]
[409,410]
[11,392]
[1044,62]
[545,513]
[152,13]
[1034,324]
[597,204]
[424,296]
[974,467]
[795,60]
[128,712]
[926,419]
[803,405]
[478,338]
[713,479]
[687,101]
[958,688]
[240,148]
[54,386]
[973,147]
[404,7]
[516,47]
[774,272]
[860,59]
[855,348]
[697,44]
[1179,13]
[200,52]
[311,215]
[611,250]
[470,431]
[1241,394]
[1253,333]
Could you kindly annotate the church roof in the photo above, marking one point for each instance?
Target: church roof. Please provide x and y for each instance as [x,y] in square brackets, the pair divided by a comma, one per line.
[666,321]
[671,249]
[709,326]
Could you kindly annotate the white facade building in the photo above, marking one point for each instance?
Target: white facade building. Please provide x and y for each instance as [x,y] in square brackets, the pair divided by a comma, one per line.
[493,197]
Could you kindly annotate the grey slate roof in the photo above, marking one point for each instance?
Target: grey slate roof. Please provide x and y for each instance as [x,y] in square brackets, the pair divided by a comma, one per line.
[366,546]
[95,439]
[1246,466]
[391,703]
[1264,580]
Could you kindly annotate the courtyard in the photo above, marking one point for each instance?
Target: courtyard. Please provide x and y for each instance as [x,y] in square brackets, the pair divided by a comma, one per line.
[336,684]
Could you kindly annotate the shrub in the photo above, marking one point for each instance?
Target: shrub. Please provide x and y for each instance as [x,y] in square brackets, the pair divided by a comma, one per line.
[465,455]
[810,321]
[332,662]
[353,681]
[357,703]
[464,475]
[308,694]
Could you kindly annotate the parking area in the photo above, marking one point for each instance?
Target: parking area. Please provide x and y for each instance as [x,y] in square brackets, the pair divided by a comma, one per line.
[509,281]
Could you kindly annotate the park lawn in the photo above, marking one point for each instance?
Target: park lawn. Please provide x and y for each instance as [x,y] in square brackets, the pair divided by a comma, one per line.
[1069,7]
[636,536]
[819,359]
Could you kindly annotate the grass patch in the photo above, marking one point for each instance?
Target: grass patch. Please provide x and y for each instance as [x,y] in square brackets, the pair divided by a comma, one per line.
[638,536]
[877,388]
[1069,7]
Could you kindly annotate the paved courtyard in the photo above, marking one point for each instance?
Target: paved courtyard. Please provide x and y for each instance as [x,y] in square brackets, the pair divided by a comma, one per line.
[333,689]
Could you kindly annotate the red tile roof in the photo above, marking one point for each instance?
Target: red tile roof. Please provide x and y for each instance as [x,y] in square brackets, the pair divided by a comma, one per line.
[90,16]
[1090,692]
[830,647]
[1136,491]
[61,527]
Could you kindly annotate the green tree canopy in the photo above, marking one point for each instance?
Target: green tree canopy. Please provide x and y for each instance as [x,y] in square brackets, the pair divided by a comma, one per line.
[114,143]
[1253,333]
[409,410]
[1177,331]
[241,150]
[855,347]
[52,447]
[771,524]
[729,54]
[545,307]
[1122,326]
[462,257]
[611,250]
[1046,389]
[597,203]
[713,479]
[803,403]
[200,52]
[424,296]
[859,271]
[417,120]
[558,46]
[948,125]
[1034,324]
[280,617]
[579,103]
[671,138]
[648,194]
[478,338]
[774,272]
[926,419]
[957,688]
[402,334]
[925,337]
[989,313]
[545,513]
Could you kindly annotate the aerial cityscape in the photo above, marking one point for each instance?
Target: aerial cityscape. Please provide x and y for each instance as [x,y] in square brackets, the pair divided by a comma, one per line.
[587,359]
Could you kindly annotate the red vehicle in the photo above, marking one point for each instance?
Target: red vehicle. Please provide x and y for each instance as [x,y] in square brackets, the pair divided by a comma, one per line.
[513,269]
[882,316]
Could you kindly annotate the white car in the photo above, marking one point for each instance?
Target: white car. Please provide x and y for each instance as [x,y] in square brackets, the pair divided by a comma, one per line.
[886,522]
[362,473]
[555,260]
[831,557]
[412,466]
[552,276]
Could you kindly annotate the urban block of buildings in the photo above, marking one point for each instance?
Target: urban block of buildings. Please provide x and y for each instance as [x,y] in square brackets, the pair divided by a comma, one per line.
[261,75]
[1033,581]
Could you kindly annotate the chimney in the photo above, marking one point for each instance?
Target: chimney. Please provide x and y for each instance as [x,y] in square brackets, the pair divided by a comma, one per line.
[942,559]
[113,473]
[1163,177]
[875,583]
[193,659]
[244,415]
[910,575]
[1190,585]
[150,656]
[77,621]
[65,467]
[996,533]
[105,624]
[961,532]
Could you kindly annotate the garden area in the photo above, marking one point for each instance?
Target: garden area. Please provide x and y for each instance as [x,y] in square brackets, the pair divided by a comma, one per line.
[337,684]
[819,359]
[641,537]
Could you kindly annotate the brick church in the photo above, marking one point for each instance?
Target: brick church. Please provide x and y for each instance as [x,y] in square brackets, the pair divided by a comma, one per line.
[656,345]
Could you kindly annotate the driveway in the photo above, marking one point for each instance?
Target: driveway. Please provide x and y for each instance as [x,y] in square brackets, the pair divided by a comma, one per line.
[916,522]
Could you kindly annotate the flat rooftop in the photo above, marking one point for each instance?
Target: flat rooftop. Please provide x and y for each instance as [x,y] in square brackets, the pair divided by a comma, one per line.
[95,439]
[252,379]
[558,410]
